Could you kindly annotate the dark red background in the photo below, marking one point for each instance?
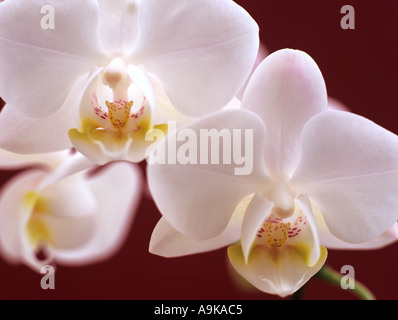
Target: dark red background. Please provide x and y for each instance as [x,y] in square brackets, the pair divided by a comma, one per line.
[360,68]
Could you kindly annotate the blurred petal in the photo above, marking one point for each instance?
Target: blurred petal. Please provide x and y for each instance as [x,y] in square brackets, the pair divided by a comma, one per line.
[349,169]
[10,160]
[69,197]
[70,232]
[70,165]
[212,43]
[117,190]
[286,90]
[69,218]
[57,57]
[198,199]
[58,217]
[168,242]
[14,213]
[274,271]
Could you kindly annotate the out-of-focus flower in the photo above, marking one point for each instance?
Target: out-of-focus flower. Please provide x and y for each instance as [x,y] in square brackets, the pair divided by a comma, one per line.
[305,159]
[10,160]
[105,66]
[80,219]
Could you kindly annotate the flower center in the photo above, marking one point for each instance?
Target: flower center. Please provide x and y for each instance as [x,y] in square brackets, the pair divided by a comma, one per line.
[119,112]
[116,115]
[275,232]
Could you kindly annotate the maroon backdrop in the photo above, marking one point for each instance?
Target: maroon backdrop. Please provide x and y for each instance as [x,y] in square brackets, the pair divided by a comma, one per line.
[360,68]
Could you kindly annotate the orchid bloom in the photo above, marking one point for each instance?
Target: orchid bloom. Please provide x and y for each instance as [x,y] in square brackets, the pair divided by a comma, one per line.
[99,76]
[307,161]
[73,221]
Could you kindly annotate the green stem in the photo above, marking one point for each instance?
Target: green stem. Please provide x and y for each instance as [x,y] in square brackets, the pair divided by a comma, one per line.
[331,276]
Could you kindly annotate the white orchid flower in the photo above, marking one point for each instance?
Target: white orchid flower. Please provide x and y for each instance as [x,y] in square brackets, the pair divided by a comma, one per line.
[95,75]
[305,159]
[73,221]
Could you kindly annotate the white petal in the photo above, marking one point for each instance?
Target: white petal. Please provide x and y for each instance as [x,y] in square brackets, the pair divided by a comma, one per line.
[201,51]
[117,189]
[198,199]
[38,65]
[286,90]
[140,78]
[328,240]
[386,238]
[257,211]
[165,110]
[275,271]
[349,169]
[23,134]
[118,26]
[307,241]
[168,242]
